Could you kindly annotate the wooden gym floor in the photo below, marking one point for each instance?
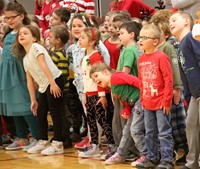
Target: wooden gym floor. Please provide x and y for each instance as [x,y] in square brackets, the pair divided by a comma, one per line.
[68,160]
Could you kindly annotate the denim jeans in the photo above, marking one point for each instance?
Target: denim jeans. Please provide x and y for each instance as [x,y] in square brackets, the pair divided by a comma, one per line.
[137,128]
[158,136]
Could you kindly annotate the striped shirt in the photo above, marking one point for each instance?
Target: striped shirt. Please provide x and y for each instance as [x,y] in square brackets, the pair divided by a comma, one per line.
[78,6]
[61,60]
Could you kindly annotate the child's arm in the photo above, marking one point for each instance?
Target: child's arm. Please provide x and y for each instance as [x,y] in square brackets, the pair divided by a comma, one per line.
[54,89]
[126,69]
[32,92]
[124,78]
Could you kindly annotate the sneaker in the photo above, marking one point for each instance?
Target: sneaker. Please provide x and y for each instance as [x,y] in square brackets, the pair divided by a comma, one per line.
[138,161]
[110,151]
[41,145]
[32,143]
[84,143]
[147,164]
[56,147]
[18,143]
[165,165]
[93,151]
[115,159]
[130,157]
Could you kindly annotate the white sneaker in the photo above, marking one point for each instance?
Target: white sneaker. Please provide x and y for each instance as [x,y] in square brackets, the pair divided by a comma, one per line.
[93,151]
[56,147]
[32,144]
[41,145]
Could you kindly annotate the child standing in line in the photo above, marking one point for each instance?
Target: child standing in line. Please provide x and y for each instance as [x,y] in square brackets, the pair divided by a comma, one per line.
[94,97]
[178,115]
[181,24]
[59,36]
[127,63]
[78,23]
[156,95]
[40,68]
[112,43]
[14,97]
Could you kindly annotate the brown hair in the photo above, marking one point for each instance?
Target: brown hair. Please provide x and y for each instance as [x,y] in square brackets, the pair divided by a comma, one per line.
[18,50]
[99,67]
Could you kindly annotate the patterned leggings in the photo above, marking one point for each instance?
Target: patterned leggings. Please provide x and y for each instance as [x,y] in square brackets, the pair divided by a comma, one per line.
[96,113]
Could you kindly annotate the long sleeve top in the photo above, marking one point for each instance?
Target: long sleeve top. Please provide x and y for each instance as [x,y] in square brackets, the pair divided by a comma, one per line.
[156,80]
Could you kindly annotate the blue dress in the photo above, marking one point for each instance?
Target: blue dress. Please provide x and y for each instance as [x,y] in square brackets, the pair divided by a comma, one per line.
[14,95]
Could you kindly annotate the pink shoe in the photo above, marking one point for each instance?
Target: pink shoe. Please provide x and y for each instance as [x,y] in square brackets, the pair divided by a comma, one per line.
[115,159]
[84,143]
[138,161]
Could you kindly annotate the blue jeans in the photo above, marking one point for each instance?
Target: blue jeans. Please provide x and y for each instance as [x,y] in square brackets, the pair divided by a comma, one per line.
[137,128]
[158,136]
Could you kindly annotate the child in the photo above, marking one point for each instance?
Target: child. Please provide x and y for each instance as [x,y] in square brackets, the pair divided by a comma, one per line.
[14,97]
[94,97]
[156,96]
[124,87]
[40,68]
[59,36]
[181,24]
[127,63]
[178,115]
[103,31]
[78,23]
[112,43]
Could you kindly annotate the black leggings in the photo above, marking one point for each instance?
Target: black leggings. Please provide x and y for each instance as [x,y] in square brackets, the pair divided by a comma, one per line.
[96,113]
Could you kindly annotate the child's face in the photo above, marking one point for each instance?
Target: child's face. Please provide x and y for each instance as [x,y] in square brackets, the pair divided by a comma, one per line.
[54,20]
[106,22]
[117,24]
[100,78]
[25,37]
[124,37]
[84,40]
[13,19]
[112,29]
[52,39]
[103,31]
[176,24]
[77,28]
[146,41]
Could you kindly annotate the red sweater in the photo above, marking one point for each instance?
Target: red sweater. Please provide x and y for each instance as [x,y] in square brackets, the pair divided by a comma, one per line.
[132,6]
[156,80]
[114,52]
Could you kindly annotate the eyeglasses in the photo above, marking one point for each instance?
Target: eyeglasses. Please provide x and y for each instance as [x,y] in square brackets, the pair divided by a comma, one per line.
[11,18]
[145,38]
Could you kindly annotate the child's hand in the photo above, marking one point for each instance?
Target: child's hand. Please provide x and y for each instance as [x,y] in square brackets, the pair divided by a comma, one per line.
[84,100]
[166,110]
[55,90]
[103,101]
[34,107]
[177,96]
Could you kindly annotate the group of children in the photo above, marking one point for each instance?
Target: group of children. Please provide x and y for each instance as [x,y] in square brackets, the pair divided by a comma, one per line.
[128,85]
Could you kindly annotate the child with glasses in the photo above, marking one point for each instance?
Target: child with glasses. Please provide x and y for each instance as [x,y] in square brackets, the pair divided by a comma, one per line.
[156,93]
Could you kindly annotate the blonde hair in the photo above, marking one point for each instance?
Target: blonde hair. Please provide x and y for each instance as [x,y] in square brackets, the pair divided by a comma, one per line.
[161,19]
[155,31]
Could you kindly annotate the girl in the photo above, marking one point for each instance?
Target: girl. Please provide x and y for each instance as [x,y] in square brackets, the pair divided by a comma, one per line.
[39,67]
[14,97]
[94,97]
[78,23]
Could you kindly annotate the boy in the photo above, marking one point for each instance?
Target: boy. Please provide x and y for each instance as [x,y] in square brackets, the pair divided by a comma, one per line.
[181,24]
[156,93]
[178,115]
[59,36]
[127,63]
[124,88]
